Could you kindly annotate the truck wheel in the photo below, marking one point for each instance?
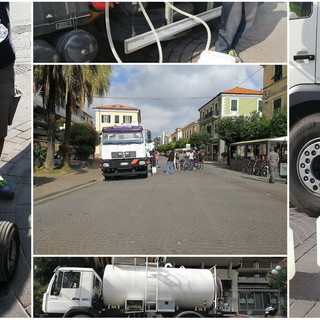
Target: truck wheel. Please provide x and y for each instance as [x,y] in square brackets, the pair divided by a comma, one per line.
[305,165]
[189,314]
[9,250]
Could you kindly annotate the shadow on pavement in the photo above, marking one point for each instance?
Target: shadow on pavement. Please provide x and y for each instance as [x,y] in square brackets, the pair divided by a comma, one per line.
[15,296]
[305,286]
[39,181]
[266,21]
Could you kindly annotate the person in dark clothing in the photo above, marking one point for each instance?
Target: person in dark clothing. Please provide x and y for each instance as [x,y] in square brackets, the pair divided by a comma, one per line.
[170,162]
[7,59]
[236,19]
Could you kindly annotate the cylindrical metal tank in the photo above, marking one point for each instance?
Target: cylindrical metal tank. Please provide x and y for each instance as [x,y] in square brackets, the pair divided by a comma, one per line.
[187,287]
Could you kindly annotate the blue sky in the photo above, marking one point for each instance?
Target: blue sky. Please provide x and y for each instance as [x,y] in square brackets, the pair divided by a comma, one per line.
[169,96]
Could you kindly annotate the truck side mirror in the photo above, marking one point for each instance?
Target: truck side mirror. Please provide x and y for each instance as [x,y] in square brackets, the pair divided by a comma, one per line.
[149,136]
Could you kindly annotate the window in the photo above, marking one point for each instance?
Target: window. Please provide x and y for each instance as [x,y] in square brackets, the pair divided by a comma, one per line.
[71,280]
[209,129]
[260,105]
[276,104]
[277,73]
[234,105]
[105,119]
[127,119]
[56,287]
[300,10]
[116,119]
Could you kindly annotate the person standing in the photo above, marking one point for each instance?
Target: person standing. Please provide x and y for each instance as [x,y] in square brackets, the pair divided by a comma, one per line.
[273,159]
[7,59]
[201,160]
[236,19]
[191,160]
[170,162]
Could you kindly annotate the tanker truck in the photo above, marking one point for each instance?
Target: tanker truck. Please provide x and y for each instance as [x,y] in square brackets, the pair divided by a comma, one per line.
[9,250]
[124,151]
[132,291]
[304,95]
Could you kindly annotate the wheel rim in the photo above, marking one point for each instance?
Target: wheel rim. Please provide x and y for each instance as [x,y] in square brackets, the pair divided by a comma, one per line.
[308,166]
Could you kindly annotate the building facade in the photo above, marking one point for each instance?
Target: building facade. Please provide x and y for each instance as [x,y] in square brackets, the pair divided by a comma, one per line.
[234,102]
[190,128]
[274,88]
[115,115]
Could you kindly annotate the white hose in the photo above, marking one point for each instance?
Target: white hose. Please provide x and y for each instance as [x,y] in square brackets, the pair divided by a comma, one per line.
[195,18]
[153,31]
[108,29]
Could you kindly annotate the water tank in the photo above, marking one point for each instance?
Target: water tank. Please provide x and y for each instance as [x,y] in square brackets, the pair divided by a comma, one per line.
[187,287]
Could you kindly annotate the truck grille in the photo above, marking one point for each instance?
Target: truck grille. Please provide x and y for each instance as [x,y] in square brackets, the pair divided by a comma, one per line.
[123,154]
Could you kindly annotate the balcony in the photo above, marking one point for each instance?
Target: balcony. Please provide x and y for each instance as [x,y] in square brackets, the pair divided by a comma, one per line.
[211,114]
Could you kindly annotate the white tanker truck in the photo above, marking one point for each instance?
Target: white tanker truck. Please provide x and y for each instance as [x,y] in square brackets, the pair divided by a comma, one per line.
[133,290]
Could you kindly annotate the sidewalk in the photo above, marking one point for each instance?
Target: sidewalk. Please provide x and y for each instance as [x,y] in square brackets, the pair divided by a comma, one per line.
[49,186]
[15,166]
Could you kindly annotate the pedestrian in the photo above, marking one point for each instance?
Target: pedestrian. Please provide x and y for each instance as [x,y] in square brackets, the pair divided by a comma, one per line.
[7,87]
[170,162]
[273,159]
[236,19]
[177,160]
[157,159]
[191,160]
[201,160]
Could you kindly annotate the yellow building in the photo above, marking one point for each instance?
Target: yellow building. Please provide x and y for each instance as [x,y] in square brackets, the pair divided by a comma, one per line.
[190,128]
[115,115]
[274,88]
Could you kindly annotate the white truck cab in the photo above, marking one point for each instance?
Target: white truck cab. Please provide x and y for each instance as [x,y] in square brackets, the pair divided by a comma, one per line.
[304,97]
[74,289]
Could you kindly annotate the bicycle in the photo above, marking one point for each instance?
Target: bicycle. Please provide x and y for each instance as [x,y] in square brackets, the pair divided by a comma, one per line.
[246,166]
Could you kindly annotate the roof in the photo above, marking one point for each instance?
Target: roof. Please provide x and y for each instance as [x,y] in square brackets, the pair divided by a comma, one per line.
[117,107]
[238,90]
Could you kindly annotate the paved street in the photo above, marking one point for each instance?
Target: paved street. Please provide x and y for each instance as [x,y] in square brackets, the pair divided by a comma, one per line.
[305,286]
[265,42]
[15,165]
[211,211]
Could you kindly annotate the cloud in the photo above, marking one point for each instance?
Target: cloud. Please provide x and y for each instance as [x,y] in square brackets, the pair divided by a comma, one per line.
[169,96]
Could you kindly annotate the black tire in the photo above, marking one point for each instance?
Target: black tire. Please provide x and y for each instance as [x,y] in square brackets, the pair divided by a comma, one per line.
[305,165]
[264,172]
[9,250]
[189,314]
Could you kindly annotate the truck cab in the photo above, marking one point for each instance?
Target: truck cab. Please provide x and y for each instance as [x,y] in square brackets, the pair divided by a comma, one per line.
[72,291]
[124,151]
[304,97]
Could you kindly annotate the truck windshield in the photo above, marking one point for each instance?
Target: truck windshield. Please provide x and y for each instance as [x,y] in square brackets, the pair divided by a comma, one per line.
[121,137]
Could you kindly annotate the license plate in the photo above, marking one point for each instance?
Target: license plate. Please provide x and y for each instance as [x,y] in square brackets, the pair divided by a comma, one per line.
[124,163]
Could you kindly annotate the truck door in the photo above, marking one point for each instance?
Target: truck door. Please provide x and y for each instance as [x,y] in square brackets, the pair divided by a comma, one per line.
[65,292]
[303,38]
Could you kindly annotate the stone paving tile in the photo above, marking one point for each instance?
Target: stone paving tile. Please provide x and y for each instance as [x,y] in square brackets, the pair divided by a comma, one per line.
[305,286]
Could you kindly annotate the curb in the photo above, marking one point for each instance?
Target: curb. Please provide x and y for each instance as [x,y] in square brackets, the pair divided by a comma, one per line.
[55,195]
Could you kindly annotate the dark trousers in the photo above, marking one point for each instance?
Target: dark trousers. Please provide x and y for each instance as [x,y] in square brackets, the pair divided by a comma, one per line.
[236,19]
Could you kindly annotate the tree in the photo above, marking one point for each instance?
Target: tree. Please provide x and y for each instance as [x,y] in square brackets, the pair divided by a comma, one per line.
[83,139]
[77,84]
[199,139]
[278,123]
[181,143]
[45,79]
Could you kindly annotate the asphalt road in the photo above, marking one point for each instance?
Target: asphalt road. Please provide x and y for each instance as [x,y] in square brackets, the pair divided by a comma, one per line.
[305,286]
[211,211]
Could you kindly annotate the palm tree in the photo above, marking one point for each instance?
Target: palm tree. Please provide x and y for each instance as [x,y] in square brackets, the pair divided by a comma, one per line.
[79,83]
[45,79]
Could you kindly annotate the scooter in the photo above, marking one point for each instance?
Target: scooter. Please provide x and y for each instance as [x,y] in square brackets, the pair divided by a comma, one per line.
[270,311]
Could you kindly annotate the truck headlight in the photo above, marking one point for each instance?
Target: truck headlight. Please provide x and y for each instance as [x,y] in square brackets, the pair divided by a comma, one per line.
[142,162]
[106,165]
